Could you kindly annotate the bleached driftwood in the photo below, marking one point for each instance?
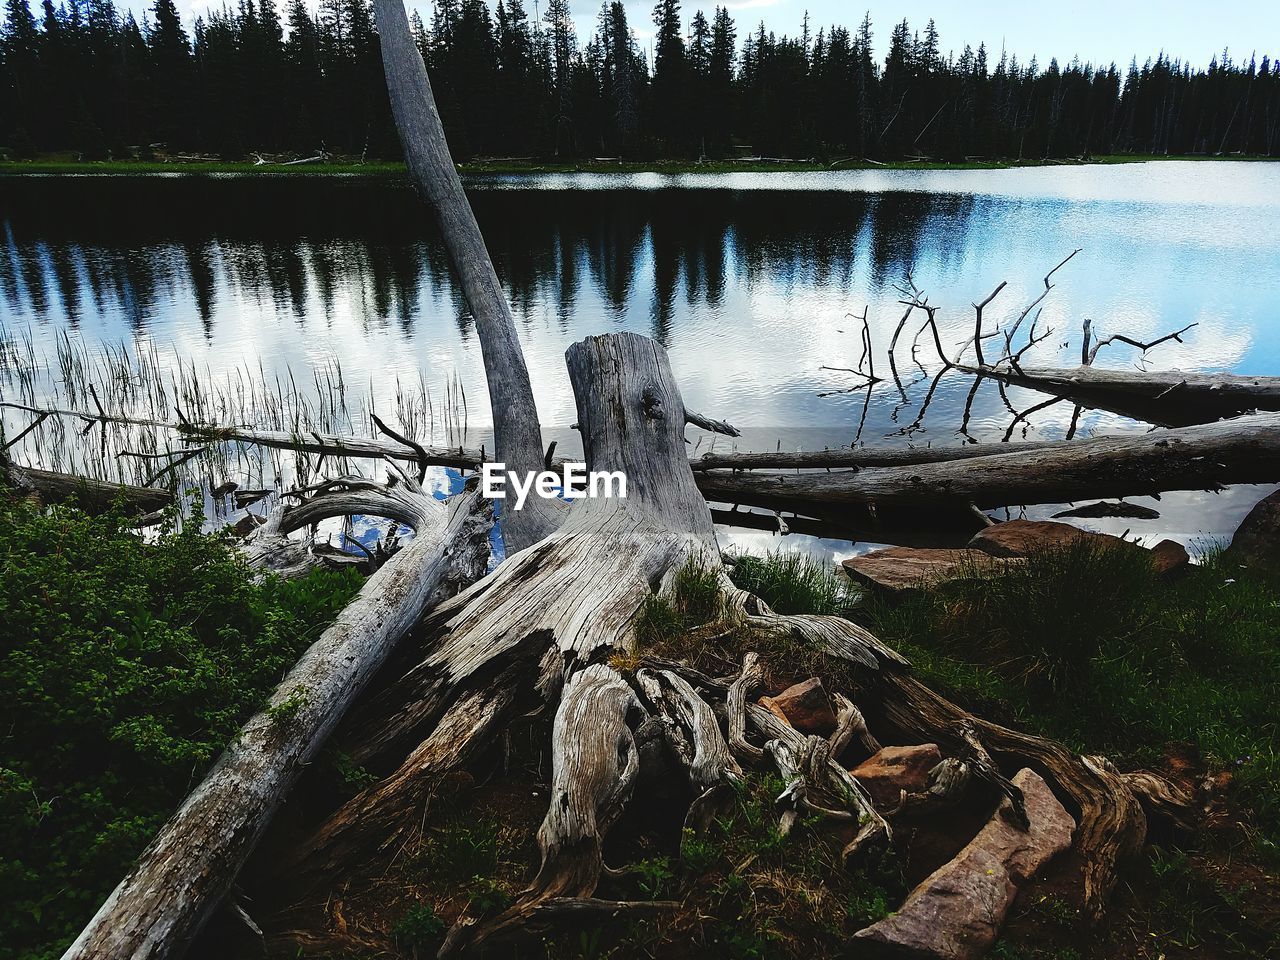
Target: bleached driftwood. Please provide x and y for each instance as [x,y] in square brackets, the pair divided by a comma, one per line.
[1164,397]
[1208,456]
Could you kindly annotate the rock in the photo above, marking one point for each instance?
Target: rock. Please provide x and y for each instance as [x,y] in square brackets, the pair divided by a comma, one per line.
[1257,539]
[1169,558]
[895,769]
[805,706]
[1133,511]
[1021,538]
[957,911]
[896,570]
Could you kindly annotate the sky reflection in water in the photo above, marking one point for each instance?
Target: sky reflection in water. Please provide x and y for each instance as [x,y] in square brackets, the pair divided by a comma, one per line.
[749,280]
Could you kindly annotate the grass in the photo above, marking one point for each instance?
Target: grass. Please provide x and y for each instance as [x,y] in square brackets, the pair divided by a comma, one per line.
[794,582]
[1089,647]
[67,164]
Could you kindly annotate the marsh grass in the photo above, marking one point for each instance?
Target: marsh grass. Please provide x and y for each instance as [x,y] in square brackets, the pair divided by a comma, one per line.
[137,382]
[794,582]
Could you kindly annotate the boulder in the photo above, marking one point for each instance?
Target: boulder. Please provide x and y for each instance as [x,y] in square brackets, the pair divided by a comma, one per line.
[896,570]
[957,911]
[1169,558]
[805,706]
[1021,538]
[894,769]
[1257,539]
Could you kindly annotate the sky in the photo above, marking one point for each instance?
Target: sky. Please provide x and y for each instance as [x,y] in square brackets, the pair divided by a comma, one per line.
[1100,31]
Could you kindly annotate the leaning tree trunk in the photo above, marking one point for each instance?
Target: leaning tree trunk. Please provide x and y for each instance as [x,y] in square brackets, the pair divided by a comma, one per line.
[516,431]
[191,864]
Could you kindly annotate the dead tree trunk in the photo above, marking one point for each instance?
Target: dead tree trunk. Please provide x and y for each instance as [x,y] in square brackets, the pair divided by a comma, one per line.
[189,867]
[516,431]
[1244,450]
[1169,398]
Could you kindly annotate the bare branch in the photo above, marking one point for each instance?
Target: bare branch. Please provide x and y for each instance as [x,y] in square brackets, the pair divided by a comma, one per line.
[1144,347]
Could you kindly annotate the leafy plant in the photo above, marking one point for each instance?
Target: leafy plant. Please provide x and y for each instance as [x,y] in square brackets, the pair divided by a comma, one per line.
[125,668]
[418,926]
[654,877]
[487,897]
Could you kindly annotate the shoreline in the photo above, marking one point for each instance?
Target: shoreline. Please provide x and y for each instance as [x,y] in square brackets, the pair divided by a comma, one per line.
[69,167]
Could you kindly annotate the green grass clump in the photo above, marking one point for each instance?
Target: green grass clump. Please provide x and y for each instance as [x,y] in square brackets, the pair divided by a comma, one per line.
[1088,646]
[695,598]
[125,668]
[796,583]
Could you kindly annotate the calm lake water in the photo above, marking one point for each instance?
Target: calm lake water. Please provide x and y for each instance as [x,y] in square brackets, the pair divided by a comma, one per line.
[752,281]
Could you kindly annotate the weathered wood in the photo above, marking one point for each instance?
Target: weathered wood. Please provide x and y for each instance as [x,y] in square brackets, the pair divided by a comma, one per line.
[1112,825]
[270,547]
[517,434]
[594,763]
[849,724]
[747,683]
[94,496]
[570,600]
[846,457]
[1244,450]
[1165,397]
[825,785]
[188,868]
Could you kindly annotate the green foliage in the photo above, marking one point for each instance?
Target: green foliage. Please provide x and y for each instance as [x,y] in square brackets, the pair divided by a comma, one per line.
[865,903]
[287,709]
[350,772]
[419,926]
[697,854]
[1089,647]
[695,598]
[125,668]
[654,877]
[792,582]
[461,849]
[487,897]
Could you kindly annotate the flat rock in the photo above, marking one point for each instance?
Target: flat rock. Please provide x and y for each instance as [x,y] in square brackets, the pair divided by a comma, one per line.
[1021,538]
[899,569]
[805,706]
[957,911]
[1169,558]
[1257,539]
[894,769]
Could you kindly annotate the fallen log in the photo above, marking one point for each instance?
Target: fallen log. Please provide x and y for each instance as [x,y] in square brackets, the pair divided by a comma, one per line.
[190,866]
[94,496]
[855,457]
[1170,398]
[1209,456]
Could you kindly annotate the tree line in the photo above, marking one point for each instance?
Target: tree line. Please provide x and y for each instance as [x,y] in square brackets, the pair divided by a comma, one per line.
[82,76]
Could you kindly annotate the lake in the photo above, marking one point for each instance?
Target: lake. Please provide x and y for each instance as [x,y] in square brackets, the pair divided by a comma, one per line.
[755,283]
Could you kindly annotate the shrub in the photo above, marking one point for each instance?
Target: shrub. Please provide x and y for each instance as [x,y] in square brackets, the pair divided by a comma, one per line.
[125,668]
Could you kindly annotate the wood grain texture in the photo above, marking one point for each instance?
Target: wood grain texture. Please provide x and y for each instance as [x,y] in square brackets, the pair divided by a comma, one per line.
[1165,397]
